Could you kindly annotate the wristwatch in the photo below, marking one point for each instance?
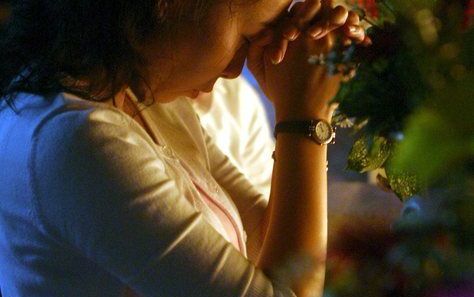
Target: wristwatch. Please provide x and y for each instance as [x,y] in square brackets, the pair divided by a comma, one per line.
[319,131]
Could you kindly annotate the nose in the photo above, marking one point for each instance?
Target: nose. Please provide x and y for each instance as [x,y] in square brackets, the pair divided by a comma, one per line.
[235,66]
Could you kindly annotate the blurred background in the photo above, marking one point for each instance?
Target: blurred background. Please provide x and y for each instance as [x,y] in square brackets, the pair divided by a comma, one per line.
[421,244]
[4,11]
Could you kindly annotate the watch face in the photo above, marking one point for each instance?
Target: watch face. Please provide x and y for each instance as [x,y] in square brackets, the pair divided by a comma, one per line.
[323,132]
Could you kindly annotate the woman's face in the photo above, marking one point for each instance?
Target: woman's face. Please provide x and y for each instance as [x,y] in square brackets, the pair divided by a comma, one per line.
[199,53]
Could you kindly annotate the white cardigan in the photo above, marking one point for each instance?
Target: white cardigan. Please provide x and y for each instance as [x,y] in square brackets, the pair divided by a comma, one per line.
[90,203]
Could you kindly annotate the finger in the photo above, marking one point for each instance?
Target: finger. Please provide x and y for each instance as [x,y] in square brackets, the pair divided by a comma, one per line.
[318,30]
[296,9]
[328,43]
[333,106]
[289,28]
[311,10]
[336,18]
[306,12]
[276,51]
[346,41]
[347,77]
[290,32]
[283,47]
[256,53]
[284,33]
[353,18]
[355,33]
[273,52]
[323,45]
[302,13]
[367,41]
[352,29]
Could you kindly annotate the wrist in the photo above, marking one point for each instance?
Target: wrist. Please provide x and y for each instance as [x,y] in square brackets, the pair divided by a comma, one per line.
[318,130]
[283,117]
[288,114]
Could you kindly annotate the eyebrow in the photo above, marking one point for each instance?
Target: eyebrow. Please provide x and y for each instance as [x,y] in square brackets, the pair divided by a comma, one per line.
[264,26]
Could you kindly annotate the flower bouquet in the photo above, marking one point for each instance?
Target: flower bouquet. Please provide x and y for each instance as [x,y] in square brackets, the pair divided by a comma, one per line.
[412,105]
[419,49]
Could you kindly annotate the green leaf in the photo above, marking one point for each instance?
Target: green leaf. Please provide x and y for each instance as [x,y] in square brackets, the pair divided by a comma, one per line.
[369,153]
[403,183]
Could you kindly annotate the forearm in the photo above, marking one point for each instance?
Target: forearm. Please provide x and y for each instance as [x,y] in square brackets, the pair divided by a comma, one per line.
[296,218]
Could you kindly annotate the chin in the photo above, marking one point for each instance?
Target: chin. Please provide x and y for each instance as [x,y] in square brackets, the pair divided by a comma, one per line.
[170,97]
[194,94]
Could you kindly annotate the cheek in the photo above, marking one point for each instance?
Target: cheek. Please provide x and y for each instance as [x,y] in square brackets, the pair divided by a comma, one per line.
[234,67]
[216,57]
[221,42]
[225,49]
[206,54]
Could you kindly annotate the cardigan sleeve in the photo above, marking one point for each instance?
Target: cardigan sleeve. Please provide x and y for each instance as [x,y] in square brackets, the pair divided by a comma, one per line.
[101,189]
[250,202]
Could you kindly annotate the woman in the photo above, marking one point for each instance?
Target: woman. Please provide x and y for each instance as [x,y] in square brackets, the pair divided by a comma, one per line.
[103,195]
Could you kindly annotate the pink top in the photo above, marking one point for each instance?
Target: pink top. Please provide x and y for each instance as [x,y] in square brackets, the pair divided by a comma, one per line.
[228,227]
[225,218]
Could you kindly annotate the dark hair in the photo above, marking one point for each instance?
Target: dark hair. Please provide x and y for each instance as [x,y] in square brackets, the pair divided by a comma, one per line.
[86,47]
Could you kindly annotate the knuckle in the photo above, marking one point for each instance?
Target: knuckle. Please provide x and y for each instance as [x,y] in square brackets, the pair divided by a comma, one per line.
[296,9]
[353,16]
[340,10]
[339,15]
[307,11]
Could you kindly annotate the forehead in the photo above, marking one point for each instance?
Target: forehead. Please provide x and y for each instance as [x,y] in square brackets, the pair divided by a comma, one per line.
[267,10]
[261,13]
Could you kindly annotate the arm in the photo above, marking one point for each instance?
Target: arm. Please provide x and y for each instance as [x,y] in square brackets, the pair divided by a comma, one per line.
[296,219]
[104,191]
[297,216]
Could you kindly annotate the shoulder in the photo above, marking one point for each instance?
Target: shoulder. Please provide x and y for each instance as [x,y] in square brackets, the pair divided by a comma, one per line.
[68,121]
[79,141]
[88,158]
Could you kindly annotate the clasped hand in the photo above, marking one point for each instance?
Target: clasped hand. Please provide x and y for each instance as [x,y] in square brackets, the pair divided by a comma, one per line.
[278,58]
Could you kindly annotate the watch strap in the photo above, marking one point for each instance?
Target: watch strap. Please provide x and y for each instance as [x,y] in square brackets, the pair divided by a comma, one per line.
[297,126]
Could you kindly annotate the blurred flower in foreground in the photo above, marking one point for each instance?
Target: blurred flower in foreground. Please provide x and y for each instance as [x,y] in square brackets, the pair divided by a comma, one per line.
[413,105]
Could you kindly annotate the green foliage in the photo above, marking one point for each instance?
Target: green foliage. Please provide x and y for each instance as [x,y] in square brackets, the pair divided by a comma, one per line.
[402,182]
[434,145]
[419,55]
[413,103]
[368,153]
[387,87]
